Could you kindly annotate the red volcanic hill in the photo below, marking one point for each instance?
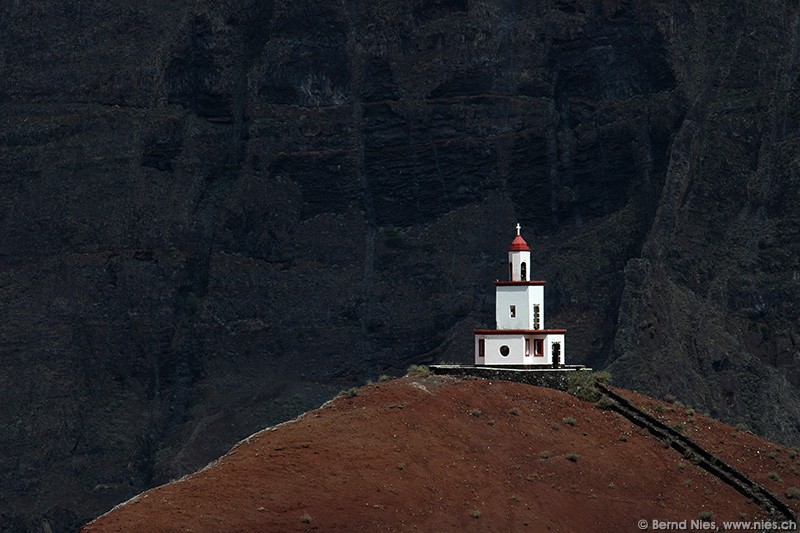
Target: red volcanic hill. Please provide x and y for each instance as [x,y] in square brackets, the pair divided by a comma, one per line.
[452,454]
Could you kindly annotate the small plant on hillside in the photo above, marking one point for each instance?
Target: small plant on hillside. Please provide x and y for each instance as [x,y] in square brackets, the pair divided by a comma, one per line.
[793,493]
[681,466]
[605,402]
[612,485]
[554,426]
[690,411]
[475,513]
[419,371]
[775,477]
[401,466]
[568,420]
[350,393]
[670,398]
[514,411]
[792,454]
[706,516]
[572,456]
[383,377]
[658,408]
[680,427]
[687,483]
[475,412]
[305,518]
[544,454]
[741,426]
[623,437]
[582,384]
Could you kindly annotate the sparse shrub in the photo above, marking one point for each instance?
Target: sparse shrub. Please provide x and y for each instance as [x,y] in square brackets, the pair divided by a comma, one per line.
[706,516]
[605,402]
[383,377]
[350,393]
[514,411]
[690,411]
[741,426]
[582,384]
[572,456]
[475,513]
[775,477]
[419,371]
[612,485]
[792,454]
[793,493]
[604,376]
[514,498]
[305,518]
[680,427]
[658,408]
[623,437]
[545,454]
[681,466]
[401,466]
[687,483]
[555,426]
[670,398]
[666,442]
[475,412]
[490,421]
[568,420]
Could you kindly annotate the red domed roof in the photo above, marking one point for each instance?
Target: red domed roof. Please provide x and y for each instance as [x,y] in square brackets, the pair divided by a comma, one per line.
[519,245]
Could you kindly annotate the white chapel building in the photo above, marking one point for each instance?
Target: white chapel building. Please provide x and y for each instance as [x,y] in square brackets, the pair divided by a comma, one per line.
[520,338]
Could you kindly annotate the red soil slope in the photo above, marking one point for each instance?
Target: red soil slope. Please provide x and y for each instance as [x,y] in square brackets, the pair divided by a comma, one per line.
[446,454]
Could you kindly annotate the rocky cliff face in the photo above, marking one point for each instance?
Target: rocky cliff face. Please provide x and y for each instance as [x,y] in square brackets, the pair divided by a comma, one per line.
[214,216]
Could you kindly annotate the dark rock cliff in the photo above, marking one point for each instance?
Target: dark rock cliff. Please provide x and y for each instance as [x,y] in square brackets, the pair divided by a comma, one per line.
[214,216]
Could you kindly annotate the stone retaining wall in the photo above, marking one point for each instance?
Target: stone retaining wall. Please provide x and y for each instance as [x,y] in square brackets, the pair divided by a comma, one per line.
[554,378]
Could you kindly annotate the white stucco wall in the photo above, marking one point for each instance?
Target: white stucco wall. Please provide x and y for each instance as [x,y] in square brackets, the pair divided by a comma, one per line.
[523,297]
[516,347]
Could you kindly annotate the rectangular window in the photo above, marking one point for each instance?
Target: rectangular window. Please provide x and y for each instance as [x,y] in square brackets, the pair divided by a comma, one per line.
[513,311]
[527,347]
[536,321]
[538,348]
[481,347]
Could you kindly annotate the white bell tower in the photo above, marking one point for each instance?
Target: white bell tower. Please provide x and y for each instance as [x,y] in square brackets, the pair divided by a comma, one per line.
[519,259]
[520,338]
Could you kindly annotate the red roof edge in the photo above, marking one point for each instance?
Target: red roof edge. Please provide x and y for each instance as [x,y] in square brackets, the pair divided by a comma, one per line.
[519,245]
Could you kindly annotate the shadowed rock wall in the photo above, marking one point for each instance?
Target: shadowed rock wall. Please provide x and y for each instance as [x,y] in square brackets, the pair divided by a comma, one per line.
[215,216]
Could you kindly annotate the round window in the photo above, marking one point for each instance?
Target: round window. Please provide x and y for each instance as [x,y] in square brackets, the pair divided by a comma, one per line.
[504,350]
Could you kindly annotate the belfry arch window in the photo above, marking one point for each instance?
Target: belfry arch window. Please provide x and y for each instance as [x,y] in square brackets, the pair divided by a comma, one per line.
[523,272]
[510,271]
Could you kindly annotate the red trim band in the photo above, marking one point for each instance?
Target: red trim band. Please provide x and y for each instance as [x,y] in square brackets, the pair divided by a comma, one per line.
[517,331]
